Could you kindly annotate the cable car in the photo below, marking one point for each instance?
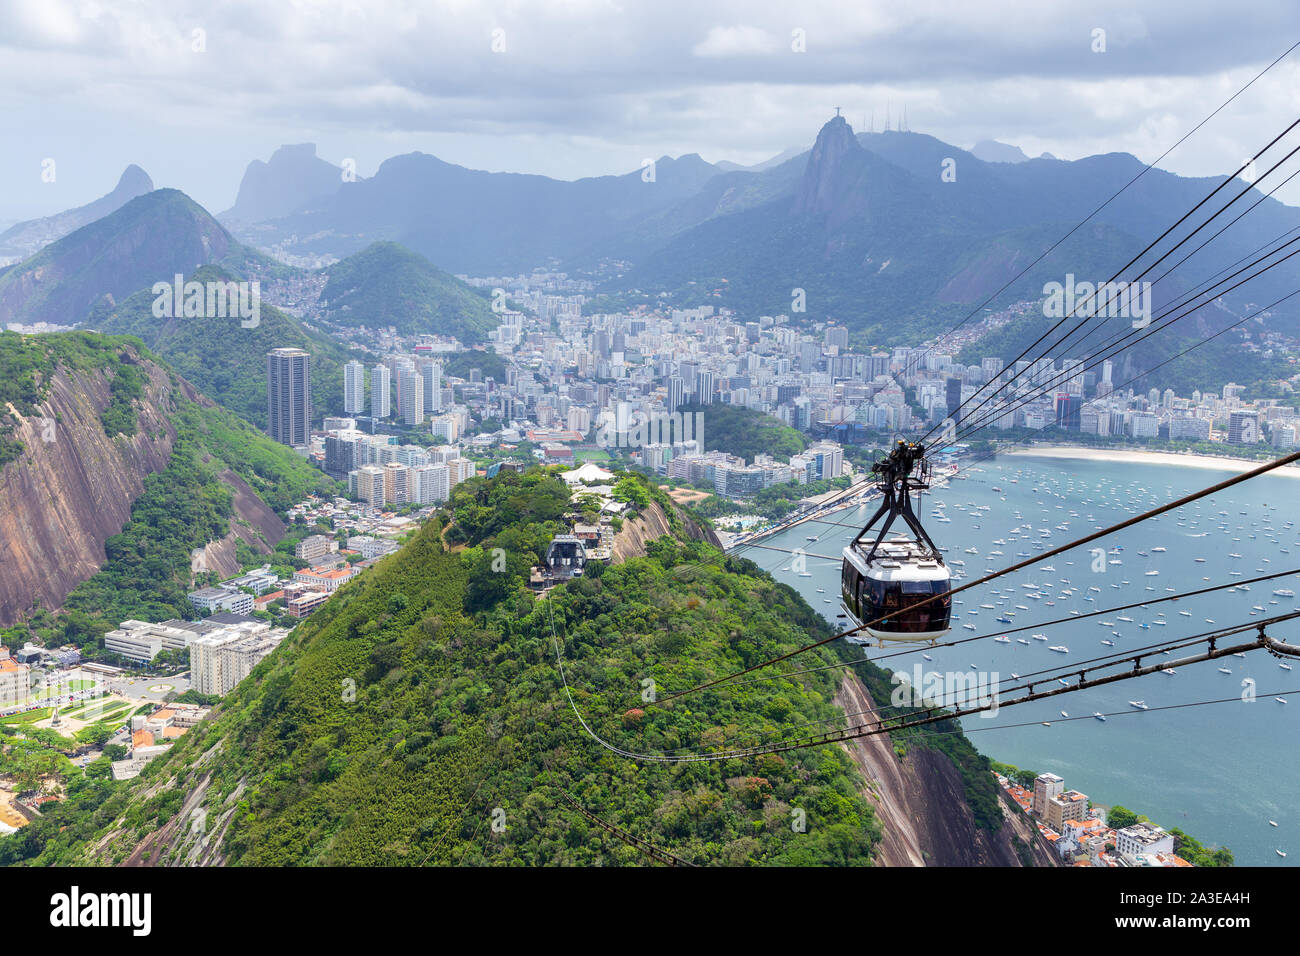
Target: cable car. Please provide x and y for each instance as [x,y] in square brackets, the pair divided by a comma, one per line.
[891,586]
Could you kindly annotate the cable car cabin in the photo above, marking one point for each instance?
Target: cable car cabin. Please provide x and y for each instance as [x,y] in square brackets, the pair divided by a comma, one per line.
[899,576]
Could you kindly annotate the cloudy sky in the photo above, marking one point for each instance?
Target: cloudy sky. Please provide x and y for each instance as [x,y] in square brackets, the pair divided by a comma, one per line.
[192,91]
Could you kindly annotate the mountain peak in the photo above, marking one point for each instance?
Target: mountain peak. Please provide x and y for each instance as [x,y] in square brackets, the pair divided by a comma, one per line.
[836,150]
[134,181]
[991,151]
[292,178]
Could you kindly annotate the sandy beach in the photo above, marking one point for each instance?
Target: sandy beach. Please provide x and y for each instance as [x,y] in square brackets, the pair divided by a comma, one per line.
[1233,465]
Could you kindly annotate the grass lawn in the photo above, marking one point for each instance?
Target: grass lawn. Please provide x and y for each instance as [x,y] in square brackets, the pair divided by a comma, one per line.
[29,716]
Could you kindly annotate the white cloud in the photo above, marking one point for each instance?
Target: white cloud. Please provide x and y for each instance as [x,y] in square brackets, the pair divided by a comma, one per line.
[735,41]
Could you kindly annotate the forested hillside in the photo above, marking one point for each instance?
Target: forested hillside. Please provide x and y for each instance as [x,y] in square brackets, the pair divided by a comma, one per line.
[421,717]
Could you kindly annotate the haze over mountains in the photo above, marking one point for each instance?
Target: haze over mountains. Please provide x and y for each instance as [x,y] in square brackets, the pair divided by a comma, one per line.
[894,234]
[24,238]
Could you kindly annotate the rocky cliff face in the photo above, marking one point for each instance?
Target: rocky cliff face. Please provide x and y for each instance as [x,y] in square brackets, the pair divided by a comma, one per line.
[73,487]
[652,523]
[920,800]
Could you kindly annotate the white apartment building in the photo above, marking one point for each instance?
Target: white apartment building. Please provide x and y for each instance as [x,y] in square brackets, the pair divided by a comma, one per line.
[221,659]
[142,641]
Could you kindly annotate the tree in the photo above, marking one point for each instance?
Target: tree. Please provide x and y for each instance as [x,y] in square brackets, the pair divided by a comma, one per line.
[1120,817]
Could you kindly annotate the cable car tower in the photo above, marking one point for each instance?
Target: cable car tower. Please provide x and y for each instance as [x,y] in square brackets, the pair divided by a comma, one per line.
[884,580]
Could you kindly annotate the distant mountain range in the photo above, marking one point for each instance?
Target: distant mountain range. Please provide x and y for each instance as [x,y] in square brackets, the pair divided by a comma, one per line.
[23,239]
[294,178]
[149,239]
[897,235]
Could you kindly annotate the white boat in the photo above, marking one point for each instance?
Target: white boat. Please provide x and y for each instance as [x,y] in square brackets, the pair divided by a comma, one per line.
[1039,637]
[1138,704]
[1002,640]
[1060,649]
[1109,643]
[1284,592]
[1280,700]
[1169,670]
[1100,716]
[1281,854]
[1064,714]
[1225,670]
[1021,640]
[1272,823]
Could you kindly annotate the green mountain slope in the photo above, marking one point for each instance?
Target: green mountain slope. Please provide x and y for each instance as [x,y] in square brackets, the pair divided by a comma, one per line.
[392,724]
[148,240]
[421,717]
[386,284]
[225,360]
[217,475]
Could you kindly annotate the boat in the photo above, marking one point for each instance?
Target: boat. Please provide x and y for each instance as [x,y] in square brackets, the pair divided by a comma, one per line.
[1272,823]
[1281,854]
[1002,640]
[1284,592]
[1021,640]
[1225,670]
[1109,643]
[1100,716]
[1169,670]
[1284,665]
[1039,637]
[1280,700]
[927,657]
[1064,714]
[1060,649]
[1138,704]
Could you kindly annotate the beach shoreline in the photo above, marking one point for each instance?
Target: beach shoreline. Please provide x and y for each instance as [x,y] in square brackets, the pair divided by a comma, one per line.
[1134,456]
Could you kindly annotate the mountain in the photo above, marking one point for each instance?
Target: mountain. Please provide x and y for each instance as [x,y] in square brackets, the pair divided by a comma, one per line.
[386,284]
[23,239]
[421,717]
[899,235]
[293,178]
[226,360]
[113,470]
[991,151]
[149,239]
[470,221]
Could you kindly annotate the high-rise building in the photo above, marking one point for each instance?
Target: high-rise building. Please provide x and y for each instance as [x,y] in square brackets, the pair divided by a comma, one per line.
[354,388]
[288,396]
[676,393]
[430,484]
[1046,786]
[431,374]
[381,392]
[410,392]
[1243,428]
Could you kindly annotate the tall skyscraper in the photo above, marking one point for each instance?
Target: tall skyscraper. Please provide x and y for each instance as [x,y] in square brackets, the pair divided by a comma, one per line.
[676,393]
[431,373]
[381,392]
[288,396]
[354,388]
[410,393]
